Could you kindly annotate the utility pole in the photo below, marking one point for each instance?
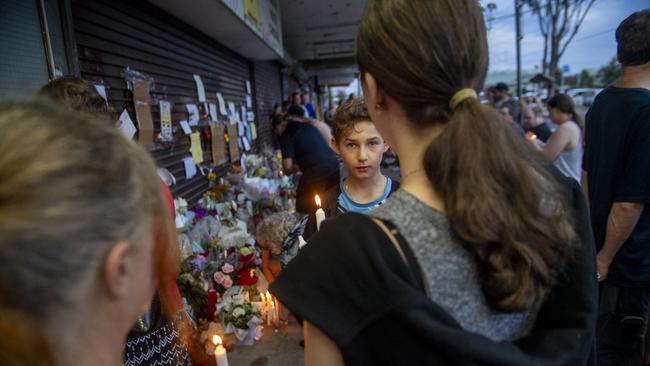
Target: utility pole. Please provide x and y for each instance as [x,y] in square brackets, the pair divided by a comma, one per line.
[518,6]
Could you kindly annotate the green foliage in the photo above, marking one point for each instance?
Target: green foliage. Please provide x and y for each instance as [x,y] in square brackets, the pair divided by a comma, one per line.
[609,73]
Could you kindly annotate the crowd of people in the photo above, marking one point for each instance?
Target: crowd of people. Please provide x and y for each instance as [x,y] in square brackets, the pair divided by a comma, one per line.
[506,242]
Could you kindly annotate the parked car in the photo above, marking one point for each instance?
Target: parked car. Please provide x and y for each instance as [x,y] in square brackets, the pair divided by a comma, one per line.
[583,96]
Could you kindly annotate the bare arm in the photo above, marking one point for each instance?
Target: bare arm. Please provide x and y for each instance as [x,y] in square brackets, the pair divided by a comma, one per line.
[289,167]
[620,224]
[557,143]
[266,265]
[584,182]
[320,350]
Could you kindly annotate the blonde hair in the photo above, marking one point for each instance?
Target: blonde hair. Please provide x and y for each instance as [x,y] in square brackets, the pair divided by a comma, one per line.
[71,186]
[76,94]
[275,228]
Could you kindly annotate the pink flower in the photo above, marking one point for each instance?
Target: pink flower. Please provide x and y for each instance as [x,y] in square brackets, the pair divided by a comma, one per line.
[227,282]
[219,277]
[227,268]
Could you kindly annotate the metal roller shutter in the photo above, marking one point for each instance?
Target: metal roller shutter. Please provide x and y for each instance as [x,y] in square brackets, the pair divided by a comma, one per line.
[268,92]
[112,35]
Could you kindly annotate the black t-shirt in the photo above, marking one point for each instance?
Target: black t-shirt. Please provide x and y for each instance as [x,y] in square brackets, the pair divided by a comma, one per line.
[617,160]
[302,142]
[542,131]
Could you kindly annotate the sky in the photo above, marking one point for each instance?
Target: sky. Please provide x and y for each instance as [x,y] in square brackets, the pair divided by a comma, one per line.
[593,46]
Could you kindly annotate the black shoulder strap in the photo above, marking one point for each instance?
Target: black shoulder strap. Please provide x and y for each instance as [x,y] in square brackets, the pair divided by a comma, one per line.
[404,252]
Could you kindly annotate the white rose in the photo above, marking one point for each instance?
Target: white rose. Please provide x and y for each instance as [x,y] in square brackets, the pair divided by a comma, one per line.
[238,299]
[238,312]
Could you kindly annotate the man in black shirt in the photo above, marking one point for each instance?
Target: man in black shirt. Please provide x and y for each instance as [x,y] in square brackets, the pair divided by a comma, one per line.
[305,150]
[502,99]
[616,178]
[533,121]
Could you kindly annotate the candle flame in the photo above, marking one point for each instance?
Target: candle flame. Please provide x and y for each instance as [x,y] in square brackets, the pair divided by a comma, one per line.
[318,203]
[216,340]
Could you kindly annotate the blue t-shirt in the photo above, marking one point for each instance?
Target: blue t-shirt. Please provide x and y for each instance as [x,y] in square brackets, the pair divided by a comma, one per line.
[617,161]
[309,109]
[346,204]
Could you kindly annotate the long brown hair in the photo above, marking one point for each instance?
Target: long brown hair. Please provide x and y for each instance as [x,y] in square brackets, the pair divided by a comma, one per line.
[499,198]
[565,104]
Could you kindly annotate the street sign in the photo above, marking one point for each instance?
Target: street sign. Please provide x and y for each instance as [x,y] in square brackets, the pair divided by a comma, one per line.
[565,68]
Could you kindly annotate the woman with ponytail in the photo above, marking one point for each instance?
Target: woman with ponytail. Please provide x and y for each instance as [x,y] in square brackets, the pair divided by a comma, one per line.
[565,147]
[484,256]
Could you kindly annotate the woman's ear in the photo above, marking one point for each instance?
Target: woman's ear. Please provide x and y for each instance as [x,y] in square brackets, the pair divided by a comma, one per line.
[373,95]
[386,147]
[116,270]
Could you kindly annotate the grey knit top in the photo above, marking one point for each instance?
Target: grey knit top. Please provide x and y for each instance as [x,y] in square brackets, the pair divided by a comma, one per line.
[449,269]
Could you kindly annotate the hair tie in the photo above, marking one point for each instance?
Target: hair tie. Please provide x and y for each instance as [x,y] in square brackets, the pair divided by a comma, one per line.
[460,96]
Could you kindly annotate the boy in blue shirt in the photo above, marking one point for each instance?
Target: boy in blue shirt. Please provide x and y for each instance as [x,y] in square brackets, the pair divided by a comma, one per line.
[361,147]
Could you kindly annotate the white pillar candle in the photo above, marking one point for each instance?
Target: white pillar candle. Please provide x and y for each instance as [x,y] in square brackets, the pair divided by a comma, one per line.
[220,354]
[320,214]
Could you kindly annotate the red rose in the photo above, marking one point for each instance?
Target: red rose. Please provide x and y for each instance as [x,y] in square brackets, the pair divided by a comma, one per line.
[247,258]
[246,277]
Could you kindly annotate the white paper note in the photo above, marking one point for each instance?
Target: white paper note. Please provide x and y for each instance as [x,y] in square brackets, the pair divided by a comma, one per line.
[199,88]
[240,129]
[248,87]
[249,102]
[101,90]
[190,168]
[222,104]
[232,110]
[247,145]
[166,131]
[193,111]
[126,125]
[242,163]
[250,116]
[213,112]
[186,127]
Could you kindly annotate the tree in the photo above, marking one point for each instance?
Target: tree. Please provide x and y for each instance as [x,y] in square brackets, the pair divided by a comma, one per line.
[559,21]
[488,10]
[608,73]
[587,79]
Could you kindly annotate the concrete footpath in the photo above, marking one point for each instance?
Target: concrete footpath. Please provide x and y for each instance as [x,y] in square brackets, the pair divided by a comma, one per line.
[279,348]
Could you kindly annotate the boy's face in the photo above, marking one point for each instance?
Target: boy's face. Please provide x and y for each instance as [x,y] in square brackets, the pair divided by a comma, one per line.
[361,149]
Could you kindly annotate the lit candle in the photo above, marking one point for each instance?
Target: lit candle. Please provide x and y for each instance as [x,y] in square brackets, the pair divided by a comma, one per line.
[220,354]
[531,136]
[320,214]
[274,311]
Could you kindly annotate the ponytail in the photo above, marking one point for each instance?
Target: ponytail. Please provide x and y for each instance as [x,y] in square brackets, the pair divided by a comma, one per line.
[503,204]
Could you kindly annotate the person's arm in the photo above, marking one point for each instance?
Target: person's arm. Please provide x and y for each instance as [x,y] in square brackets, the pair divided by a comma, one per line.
[584,182]
[266,265]
[320,350]
[621,222]
[556,143]
[289,167]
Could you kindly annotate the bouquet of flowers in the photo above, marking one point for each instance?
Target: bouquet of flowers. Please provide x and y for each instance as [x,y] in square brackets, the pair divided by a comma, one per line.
[240,316]
[236,310]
